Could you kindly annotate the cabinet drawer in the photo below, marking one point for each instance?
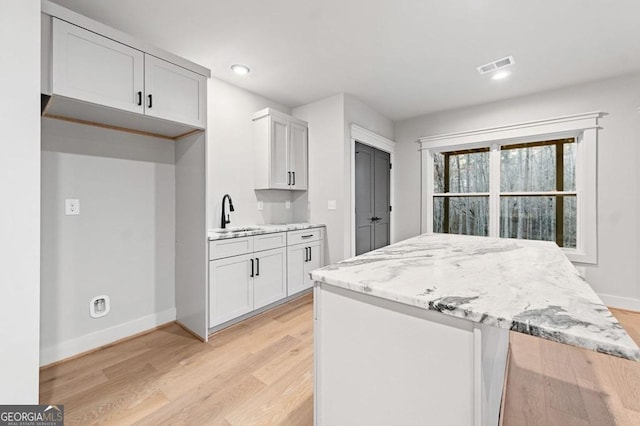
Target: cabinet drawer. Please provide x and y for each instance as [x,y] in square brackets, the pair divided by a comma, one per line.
[269,241]
[304,236]
[219,249]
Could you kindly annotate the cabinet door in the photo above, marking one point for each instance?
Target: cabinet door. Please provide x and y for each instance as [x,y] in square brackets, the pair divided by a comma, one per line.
[174,93]
[296,256]
[95,69]
[315,262]
[298,155]
[270,280]
[279,173]
[230,288]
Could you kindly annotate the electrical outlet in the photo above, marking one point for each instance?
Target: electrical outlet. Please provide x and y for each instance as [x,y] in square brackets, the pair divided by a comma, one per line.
[260,206]
[71,207]
[287,204]
[99,306]
[331,205]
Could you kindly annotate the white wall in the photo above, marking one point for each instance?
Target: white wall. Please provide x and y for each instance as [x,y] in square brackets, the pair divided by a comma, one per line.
[122,244]
[230,152]
[326,174]
[330,122]
[617,273]
[20,190]
[357,112]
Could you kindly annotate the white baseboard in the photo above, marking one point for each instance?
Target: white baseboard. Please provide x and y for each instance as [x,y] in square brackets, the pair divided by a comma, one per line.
[627,303]
[99,338]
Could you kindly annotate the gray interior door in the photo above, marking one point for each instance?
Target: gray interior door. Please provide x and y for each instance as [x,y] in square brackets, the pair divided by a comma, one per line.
[372,197]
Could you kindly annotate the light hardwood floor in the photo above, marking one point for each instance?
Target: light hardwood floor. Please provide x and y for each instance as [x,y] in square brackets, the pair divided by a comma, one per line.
[554,384]
[257,372]
[260,372]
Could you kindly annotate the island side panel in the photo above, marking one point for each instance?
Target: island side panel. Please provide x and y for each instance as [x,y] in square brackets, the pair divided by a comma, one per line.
[380,362]
[492,346]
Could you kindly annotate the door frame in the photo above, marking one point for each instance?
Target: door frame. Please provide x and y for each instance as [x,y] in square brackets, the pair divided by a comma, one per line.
[367,137]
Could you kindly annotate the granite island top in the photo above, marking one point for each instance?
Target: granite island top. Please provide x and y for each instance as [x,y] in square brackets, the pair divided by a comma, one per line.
[525,286]
[248,231]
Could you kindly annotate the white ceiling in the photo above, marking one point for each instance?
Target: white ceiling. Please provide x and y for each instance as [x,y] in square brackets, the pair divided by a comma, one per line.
[403,58]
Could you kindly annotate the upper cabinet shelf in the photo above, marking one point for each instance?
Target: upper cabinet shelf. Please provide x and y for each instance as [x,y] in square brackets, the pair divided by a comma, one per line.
[94,78]
[281,151]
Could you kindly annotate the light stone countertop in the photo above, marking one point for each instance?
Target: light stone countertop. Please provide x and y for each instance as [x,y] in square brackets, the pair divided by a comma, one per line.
[250,230]
[525,286]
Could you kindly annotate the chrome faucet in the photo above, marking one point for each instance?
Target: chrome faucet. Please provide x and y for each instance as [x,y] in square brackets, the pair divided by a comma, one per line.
[225,217]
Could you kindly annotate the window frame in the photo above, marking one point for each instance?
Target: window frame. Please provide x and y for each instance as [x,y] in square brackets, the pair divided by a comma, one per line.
[582,127]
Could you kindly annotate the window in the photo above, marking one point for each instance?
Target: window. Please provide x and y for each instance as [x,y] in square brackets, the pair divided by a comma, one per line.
[532,181]
[537,191]
[461,192]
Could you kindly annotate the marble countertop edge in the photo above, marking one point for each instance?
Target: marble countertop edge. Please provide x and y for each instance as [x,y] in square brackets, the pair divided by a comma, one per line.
[216,234]
[484,281]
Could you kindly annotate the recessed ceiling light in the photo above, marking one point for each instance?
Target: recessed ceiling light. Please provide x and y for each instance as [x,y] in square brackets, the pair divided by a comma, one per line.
[500,75]
[240,69]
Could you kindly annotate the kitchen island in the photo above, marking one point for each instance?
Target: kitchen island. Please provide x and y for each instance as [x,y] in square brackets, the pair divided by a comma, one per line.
[418,332]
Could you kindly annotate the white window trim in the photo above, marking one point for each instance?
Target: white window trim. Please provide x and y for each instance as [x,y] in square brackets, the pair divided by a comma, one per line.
[583,127]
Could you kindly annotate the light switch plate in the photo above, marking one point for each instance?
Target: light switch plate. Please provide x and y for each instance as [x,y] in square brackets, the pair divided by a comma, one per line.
[260,205]
[287,204]
[331,204]
[71,206]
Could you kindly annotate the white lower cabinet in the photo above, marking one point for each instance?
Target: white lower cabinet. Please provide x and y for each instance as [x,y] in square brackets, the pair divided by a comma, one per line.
[242,280]
[230,288]
[246,274]
[302,259]
[270,278]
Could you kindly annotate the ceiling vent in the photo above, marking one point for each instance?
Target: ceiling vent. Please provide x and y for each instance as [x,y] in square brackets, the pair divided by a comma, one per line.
[496,65]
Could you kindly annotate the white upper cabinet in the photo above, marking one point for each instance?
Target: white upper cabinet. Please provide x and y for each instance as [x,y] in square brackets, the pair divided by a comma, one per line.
[280,173]
[280,151]
[298,156]
[96,69]
[89,67]
[174,93]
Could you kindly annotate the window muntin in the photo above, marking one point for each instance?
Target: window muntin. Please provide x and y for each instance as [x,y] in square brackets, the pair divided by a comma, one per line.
[537,191]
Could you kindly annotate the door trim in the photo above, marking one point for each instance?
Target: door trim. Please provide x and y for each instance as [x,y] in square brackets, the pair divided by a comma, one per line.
[367,137]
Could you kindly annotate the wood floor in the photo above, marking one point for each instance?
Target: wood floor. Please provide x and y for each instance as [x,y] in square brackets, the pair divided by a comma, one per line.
[257,372]
[554,384]
[260,373]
